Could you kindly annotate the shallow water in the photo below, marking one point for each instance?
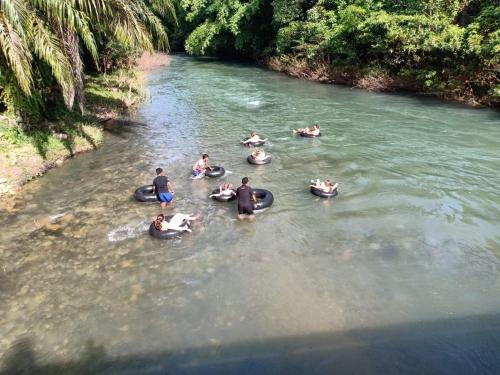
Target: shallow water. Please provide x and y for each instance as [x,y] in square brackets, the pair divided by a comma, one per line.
[399,273]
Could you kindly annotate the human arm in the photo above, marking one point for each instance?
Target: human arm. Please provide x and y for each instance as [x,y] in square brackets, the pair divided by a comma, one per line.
[170,188]
[189,217]
[316,185]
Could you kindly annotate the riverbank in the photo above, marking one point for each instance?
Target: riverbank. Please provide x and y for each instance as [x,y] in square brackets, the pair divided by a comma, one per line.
[379,80]
[24,157]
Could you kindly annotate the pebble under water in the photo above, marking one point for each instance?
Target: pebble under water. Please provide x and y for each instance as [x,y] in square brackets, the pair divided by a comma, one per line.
[400,273]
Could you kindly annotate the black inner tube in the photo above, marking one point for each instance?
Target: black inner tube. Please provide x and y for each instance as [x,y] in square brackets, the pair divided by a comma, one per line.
[166,234]
[324,194]
[254,144]
[215,172]
[223,198]
[309,135]
[264,199]
[254,161]
[145,194]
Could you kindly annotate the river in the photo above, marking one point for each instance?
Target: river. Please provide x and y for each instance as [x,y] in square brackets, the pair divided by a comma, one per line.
[400,273]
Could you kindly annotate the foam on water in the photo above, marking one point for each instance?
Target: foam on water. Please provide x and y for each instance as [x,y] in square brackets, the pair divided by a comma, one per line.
[128,231]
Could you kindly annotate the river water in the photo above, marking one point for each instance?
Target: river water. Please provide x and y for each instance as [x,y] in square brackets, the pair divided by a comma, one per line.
[398,274]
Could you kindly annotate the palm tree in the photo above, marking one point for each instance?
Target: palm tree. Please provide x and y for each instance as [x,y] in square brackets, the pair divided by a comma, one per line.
[51,31]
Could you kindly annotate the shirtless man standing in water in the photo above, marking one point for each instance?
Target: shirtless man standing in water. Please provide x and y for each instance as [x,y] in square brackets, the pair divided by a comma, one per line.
[246,197]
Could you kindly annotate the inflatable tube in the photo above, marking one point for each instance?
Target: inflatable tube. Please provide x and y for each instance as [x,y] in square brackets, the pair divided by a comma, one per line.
[251,160]
[324,194]
[164,234]
[215,172]
[145,194]
[223,198]
[309,135]
[264,199]
[254,144]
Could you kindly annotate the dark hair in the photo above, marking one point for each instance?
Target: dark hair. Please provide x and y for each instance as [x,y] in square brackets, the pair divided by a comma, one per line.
[159,170]
[244,180]
[158,221]
[204,156]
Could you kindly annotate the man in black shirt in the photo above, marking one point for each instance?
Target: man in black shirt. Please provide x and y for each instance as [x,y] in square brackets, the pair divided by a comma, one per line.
[163,188]
[246,196]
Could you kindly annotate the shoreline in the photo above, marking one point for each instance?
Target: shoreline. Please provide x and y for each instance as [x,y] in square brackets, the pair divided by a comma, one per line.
[108,97]
[374,82]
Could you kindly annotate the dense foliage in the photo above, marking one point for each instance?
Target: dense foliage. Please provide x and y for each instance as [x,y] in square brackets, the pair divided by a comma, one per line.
[44,44]
[451,47]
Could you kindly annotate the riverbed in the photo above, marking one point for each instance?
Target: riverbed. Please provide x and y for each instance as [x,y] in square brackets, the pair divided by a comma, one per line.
[400,273]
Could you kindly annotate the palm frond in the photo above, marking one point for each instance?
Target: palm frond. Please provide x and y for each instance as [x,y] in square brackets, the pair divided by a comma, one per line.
[16,12]
[126,25]
[16,54]
[64,14]
[86,35]
[164,8]
[93,8]
[152,23]
[48,47]
[53,30]
[72,49]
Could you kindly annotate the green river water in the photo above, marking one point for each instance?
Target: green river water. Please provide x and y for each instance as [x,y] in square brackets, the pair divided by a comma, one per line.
[400,273]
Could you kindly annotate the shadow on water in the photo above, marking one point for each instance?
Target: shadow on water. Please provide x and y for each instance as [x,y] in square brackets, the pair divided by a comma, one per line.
[450,346]
[123,128]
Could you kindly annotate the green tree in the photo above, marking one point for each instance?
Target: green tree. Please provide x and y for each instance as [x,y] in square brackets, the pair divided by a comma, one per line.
[448,46]
[242,26]
[42,41]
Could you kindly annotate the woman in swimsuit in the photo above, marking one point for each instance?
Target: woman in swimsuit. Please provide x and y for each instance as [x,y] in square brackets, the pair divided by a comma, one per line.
[178,222]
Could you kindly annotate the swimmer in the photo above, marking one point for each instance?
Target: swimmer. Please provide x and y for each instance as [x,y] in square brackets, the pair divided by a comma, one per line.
[254,138]
[178,222]
[327,186]
[259,154]
[201,166]
[315,130]
[224,190]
